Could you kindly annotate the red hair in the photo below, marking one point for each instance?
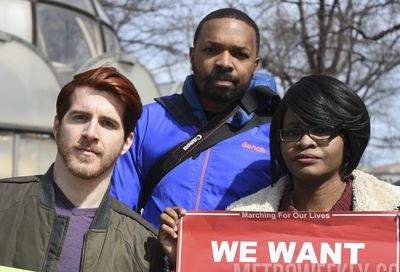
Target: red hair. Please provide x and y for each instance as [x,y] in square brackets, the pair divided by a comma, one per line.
[106,79]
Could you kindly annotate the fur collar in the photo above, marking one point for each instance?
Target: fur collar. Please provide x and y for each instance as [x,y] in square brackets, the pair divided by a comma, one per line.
[369,194]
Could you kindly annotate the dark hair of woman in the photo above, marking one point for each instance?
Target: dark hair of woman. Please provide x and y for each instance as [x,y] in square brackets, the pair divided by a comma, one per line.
[320,100]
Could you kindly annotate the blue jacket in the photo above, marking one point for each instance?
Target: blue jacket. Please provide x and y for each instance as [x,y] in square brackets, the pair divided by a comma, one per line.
[220,175]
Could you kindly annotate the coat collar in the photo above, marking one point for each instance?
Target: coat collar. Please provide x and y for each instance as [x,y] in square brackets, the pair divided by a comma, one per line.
[369,194]
[372,194]
[47,198]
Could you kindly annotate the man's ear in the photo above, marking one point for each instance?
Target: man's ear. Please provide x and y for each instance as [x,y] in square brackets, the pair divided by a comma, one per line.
[191,55]
[127,143]
[56,127]
[256,63]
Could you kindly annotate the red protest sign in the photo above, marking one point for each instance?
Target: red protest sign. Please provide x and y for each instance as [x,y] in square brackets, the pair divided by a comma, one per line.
[287,241]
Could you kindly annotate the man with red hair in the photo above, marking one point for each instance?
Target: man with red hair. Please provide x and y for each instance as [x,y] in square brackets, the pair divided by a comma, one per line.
[65,220]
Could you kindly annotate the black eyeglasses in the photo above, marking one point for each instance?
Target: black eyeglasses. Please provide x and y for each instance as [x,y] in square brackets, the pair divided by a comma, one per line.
[316,133]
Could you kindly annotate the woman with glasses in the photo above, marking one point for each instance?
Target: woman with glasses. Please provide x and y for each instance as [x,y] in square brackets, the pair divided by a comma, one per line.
[318,134]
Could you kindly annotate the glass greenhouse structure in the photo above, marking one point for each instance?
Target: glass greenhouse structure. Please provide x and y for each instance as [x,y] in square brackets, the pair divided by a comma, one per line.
[42,45]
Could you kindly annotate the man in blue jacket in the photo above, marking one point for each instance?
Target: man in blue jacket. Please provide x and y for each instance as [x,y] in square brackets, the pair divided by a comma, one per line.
[223,60]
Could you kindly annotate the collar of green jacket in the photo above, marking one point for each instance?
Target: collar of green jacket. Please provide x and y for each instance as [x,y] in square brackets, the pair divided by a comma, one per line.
[47,198]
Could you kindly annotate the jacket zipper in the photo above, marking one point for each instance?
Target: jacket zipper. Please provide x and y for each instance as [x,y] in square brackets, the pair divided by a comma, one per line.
[83,252]
[203,171]
[46,259]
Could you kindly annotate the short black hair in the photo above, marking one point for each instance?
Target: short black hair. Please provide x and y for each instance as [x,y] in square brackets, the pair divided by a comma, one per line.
[228,13]
[321,100]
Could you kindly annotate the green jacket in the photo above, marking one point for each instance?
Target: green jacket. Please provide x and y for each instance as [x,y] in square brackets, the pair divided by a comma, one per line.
[32,235]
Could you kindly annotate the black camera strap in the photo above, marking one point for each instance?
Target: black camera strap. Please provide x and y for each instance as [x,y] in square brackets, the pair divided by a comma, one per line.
[215,131]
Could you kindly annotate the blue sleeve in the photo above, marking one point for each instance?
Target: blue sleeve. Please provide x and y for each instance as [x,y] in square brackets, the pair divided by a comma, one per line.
[127,176]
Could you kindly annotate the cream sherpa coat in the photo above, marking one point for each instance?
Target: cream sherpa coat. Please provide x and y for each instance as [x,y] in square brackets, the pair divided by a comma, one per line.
[369,194]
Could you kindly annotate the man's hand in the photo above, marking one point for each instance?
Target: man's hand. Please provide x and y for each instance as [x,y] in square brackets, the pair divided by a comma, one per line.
[168,231]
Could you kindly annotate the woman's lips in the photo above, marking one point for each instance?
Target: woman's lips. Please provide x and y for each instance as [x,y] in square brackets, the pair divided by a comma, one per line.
[306,158]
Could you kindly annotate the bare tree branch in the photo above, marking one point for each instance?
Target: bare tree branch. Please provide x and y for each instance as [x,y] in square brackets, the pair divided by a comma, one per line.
[356,41]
